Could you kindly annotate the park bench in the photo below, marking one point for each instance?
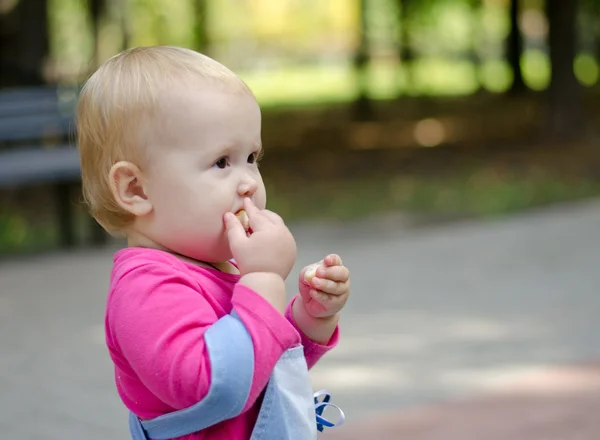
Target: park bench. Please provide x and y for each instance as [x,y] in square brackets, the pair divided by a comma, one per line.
[36,132]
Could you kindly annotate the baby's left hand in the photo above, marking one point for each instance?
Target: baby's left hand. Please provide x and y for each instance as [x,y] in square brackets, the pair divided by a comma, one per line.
[325,286]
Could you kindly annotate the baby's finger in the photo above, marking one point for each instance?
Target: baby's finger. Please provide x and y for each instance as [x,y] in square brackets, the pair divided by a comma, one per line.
[275,218]
[333,260]
[255,217]
[334,273]
[234,228]
[331,287]
[250,207]
[327,299]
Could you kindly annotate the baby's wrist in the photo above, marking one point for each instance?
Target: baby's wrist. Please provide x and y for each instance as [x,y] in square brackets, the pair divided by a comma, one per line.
[252,276]
[317,329]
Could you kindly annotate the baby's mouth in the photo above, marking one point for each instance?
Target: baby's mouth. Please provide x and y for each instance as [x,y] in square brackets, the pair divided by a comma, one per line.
[243,218]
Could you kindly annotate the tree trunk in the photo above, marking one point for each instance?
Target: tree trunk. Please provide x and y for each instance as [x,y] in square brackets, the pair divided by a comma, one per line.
[514,49]
[97,9]
[24,44]
[201,38]
[405,51]
[565,93]
[474,56]
[363,109]
[124,18]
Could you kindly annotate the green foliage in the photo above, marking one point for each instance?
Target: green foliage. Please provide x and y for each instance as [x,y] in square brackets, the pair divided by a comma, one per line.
[17,233]
[481,193]
[586,69]
[300,52]
[161,22]
[71,42]
[442,28]
[536,69]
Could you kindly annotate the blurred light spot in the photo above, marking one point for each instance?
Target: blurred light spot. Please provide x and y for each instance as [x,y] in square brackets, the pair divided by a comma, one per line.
[429,132]
[496,75]
[536,69]
[586,69]
[534,24]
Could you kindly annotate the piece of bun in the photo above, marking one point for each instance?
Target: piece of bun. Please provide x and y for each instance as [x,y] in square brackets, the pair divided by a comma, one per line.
[310,273]
[243,218]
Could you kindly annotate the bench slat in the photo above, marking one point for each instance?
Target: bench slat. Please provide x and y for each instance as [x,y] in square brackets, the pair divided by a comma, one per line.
[28,166]
[35,127]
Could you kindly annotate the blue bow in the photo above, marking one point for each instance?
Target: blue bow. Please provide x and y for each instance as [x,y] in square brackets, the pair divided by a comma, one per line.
[320,406]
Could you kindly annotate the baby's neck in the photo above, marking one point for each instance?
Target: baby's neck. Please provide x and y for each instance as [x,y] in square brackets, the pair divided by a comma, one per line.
[138,240]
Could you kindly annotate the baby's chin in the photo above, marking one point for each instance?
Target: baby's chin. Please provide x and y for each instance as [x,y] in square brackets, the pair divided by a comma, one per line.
[214,258]
[217,252]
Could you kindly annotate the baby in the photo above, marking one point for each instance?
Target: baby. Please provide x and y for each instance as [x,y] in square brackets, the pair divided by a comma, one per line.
[203,343]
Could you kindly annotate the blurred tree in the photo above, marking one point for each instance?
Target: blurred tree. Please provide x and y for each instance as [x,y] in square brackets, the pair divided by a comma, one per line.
[201,37]
[124,19]
[24,44]
[565,92]
[476,7]
[97,10]
[514,49]
[405,51]
[590,13]
[363,109]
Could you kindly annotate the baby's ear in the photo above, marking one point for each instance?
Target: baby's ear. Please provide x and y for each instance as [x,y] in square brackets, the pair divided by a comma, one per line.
[127,186]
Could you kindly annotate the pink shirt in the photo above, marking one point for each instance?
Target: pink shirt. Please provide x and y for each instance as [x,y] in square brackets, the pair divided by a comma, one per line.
[158,309]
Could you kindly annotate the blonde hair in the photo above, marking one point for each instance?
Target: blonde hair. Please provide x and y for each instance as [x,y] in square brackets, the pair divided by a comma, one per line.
[113,103]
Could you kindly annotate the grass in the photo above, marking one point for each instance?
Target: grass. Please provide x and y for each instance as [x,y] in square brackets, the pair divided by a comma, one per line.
[483,193]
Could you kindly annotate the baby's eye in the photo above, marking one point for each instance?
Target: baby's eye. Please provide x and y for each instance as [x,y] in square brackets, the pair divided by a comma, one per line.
[254,157]
[221,163]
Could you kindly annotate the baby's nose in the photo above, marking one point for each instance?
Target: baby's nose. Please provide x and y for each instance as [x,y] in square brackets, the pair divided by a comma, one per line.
[247,187]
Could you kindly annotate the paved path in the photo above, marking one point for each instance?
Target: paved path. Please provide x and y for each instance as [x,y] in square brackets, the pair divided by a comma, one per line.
[558,404]
[436,313]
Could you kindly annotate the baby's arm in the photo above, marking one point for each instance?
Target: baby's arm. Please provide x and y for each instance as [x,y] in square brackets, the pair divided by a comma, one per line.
[313,351]
[159,325]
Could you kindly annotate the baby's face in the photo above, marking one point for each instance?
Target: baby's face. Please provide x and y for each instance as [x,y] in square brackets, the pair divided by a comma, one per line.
[203,154]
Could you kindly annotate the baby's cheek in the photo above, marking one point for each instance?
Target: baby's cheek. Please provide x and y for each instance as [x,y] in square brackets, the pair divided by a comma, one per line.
[260,198]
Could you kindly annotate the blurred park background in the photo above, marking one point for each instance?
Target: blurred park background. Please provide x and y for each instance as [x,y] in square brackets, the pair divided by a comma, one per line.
[435,108]
[448,149]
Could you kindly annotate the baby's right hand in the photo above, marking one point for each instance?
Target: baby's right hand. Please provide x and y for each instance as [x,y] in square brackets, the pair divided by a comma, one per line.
[271,246]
